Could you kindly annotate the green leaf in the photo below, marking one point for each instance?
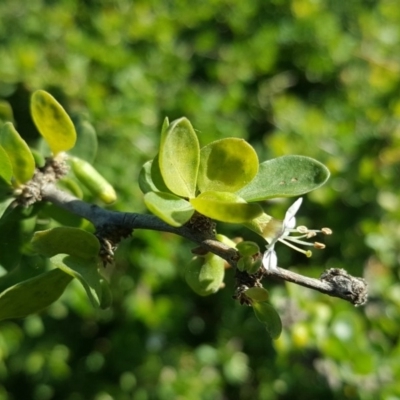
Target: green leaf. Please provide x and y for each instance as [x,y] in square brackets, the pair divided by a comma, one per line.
[52,121]
[225,207]
[267,314]
[247,248]
[285,176]
[6,112]
[93,180]
[33,295]
[150,178]
[146,183]
[86,142]
[85,271]
[179,158]
[170,208]
[19,154]
[64,217]
[226,165]
[4,205]
[66,240]
[205,274]
[257,294]
[262,225]
[6,169]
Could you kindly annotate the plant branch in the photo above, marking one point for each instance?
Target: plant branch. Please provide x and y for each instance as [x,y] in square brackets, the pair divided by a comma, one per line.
[333,282]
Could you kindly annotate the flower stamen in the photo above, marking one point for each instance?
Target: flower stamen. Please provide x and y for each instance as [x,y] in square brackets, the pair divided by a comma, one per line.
[270,260]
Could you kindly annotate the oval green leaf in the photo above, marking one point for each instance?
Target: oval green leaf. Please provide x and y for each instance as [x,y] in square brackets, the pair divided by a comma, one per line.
[205,275]
[170,208]
[150,178]
[267,314]
[66,240]
[146,183]
[226,165]
[4,203]
[225,207]
[6,170]
[285,176]
[179,157]
[85,271]
[52,121]
[19,154]
[33,295]
[247,248]
[93,181]
[257,294]
[6,112]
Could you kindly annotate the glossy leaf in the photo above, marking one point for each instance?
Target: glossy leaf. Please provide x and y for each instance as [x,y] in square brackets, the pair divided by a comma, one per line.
[33,295]
[86,142]
[66,240]
[285,176]
[179,158]
[6,112]
[225,207]
[255,266]
[145,181]
[244,263]
[258,294]
[150,178]
[85,271]
[40,160]
[4,203]
[172,209]
[205,274]
[268,316]
[19,154]
[93,180]
[226,165]
[6,169]
[52,121]
[247,248]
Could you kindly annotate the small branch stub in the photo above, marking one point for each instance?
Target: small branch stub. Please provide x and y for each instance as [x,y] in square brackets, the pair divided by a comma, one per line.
[352,288]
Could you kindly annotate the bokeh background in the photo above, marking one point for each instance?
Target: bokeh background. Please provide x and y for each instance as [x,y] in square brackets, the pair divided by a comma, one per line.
[319,78]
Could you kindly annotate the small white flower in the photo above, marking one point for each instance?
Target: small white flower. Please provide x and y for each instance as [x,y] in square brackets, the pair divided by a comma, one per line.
[270,259]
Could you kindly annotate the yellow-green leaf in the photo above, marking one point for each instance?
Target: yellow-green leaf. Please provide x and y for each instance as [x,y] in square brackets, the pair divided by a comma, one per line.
[226,165]
[18,152]
[225,207]
[6,170]
[267,314]
[53,122]
[205,274]
[179,157]
[172,209]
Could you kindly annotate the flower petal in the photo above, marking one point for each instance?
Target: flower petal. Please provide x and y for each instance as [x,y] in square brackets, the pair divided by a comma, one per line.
[270,260]
[290,220]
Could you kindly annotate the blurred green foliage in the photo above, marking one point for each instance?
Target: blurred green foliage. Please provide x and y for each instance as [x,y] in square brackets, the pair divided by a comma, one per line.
[313,77]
